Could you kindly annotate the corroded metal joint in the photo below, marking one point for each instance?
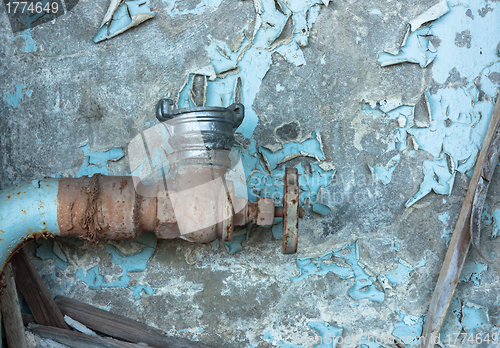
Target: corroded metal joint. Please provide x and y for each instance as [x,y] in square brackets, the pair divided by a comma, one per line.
[259,213]
[103,208]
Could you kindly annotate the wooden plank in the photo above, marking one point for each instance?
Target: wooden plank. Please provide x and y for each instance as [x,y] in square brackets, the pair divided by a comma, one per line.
[36,294]
[466,232]
[75,339]
[28,319]
[120,327]
[11,312]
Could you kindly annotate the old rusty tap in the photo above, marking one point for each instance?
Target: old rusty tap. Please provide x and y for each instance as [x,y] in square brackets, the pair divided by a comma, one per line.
[200,204]
[195,200]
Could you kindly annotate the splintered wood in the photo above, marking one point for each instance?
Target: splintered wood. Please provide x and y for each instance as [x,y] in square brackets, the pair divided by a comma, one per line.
[47,318]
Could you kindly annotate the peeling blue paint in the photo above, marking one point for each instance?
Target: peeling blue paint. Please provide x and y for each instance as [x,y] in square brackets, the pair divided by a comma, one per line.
[92,278]
[137,289]
[269,338]
[363,284]
[321,266]
[129,263]
[321,209]
[473,271]
[14,99]
[97,162]
[475,319]
[392,109]
[308,148]
[327,333]
[409,329]
[459,114]
[384,174]
[235,244]
[496,223]
[29,43]
[124,17]
[250,63]
[46,251]
[395,246]
[437,178]
[402,272]
[464,316]
[418,49]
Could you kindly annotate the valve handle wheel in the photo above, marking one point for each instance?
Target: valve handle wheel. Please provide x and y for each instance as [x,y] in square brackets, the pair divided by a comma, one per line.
[290,211]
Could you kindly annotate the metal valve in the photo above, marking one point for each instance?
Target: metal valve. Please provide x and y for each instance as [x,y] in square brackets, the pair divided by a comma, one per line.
[199,204]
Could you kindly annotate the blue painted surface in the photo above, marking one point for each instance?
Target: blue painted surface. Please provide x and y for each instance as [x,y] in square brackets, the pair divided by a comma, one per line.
[395,246]
[14,99]
[250,62]
[311,147]
[92,278]
[46,251]
[97,162]
[329,334]
[26,208]
[418,49]
[402,272]
[458,117]
[496,223]
[437,178]
[321,209]
[473,271]
[408,329]
[392,109]
[235,244]
[122,18]
[384,174]
[363,284]
[444,217]
[452,323]
[475,319]
[464,316]
[129,263]
[29,43]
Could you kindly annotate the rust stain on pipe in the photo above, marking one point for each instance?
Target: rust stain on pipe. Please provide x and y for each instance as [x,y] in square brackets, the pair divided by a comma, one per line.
[103,207]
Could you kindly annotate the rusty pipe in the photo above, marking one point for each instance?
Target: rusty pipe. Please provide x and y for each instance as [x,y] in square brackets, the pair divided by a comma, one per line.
[198,205]
[104,208]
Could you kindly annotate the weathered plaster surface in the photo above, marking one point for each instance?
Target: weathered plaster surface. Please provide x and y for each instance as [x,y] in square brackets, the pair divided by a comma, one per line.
[368,139]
